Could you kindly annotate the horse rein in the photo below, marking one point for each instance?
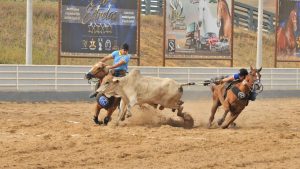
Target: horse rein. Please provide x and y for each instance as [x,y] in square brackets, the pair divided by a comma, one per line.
[256,87]
[245,83]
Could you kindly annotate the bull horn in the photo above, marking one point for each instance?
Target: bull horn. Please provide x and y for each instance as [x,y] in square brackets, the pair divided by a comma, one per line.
[106,70]
[259,69]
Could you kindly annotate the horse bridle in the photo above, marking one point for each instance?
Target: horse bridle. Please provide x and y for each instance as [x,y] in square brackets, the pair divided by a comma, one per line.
[256,87]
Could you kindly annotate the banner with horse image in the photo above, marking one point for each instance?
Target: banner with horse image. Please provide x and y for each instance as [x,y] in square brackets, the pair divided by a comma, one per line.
[198,28]
[288,30]
[90,27]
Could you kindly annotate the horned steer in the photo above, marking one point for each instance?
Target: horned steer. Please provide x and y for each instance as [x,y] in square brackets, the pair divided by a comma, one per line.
[135,89]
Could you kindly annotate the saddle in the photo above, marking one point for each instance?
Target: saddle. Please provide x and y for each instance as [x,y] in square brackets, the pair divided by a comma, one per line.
[239,94]
[119,73]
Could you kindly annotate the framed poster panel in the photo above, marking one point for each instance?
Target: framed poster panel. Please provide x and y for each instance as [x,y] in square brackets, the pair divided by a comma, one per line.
[91,28]
[288,31]
[198,29]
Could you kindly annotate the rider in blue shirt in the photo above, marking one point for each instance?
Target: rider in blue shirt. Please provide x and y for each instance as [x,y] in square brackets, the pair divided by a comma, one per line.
[121,59]
[238,76]
[120,67]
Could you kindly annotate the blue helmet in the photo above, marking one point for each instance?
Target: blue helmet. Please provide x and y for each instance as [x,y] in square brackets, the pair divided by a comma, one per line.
[103,101]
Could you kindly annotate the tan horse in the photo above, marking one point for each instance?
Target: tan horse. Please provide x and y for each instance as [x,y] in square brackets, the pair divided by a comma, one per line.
[224,20]
[233,103]
[286,41]
[98,71]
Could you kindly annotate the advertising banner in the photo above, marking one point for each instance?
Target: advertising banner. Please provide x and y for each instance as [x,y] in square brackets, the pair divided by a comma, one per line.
[90,27]
[288,30]
[202,28]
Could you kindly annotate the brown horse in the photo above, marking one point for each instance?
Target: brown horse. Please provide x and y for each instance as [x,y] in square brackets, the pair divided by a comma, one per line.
[113,104]
[100,72]
[286,41]
[235,103]
[224,20]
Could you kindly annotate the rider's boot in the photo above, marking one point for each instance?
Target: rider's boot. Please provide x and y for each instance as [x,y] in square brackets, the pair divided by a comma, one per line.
[94,94]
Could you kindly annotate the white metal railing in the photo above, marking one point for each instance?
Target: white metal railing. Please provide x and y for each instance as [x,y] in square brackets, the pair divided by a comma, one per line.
[70,78]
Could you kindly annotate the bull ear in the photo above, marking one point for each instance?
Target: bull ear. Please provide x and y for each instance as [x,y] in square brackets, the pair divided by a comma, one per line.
[259,69]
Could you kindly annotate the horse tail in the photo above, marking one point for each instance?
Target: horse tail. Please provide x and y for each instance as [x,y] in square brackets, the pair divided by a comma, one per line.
[188,84]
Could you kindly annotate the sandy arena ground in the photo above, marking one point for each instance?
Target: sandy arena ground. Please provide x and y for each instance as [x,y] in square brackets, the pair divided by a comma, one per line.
[62,135]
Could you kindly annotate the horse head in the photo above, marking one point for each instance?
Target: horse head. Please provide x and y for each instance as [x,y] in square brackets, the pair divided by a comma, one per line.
[249,81]
[222,11]
[252,80]
[255,72]
[257,86]
[293,19]
[98,70]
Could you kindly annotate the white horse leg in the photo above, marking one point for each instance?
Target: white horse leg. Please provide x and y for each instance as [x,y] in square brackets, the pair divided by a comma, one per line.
[122,112]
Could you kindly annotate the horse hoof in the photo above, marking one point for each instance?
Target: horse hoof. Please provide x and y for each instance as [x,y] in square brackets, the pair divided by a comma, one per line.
[233,125]
[128,115]
[123,118]
[224,127]
[220,122]
[208,125]
[96,121]
[106,120]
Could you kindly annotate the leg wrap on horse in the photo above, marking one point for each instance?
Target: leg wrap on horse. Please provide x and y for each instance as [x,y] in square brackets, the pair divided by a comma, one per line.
[252,96]
[95,119]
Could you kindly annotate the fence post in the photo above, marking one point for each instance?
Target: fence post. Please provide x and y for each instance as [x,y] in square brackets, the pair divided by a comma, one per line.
[271,22]
[188,77]
[297,78]
[237,22]
[147,6]
[271,83]
[55,78]
[160,4]
[158,72]
[250,21]
[271,26]
[17,77]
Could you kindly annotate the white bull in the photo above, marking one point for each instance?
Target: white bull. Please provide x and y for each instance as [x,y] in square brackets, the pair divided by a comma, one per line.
[135,89]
